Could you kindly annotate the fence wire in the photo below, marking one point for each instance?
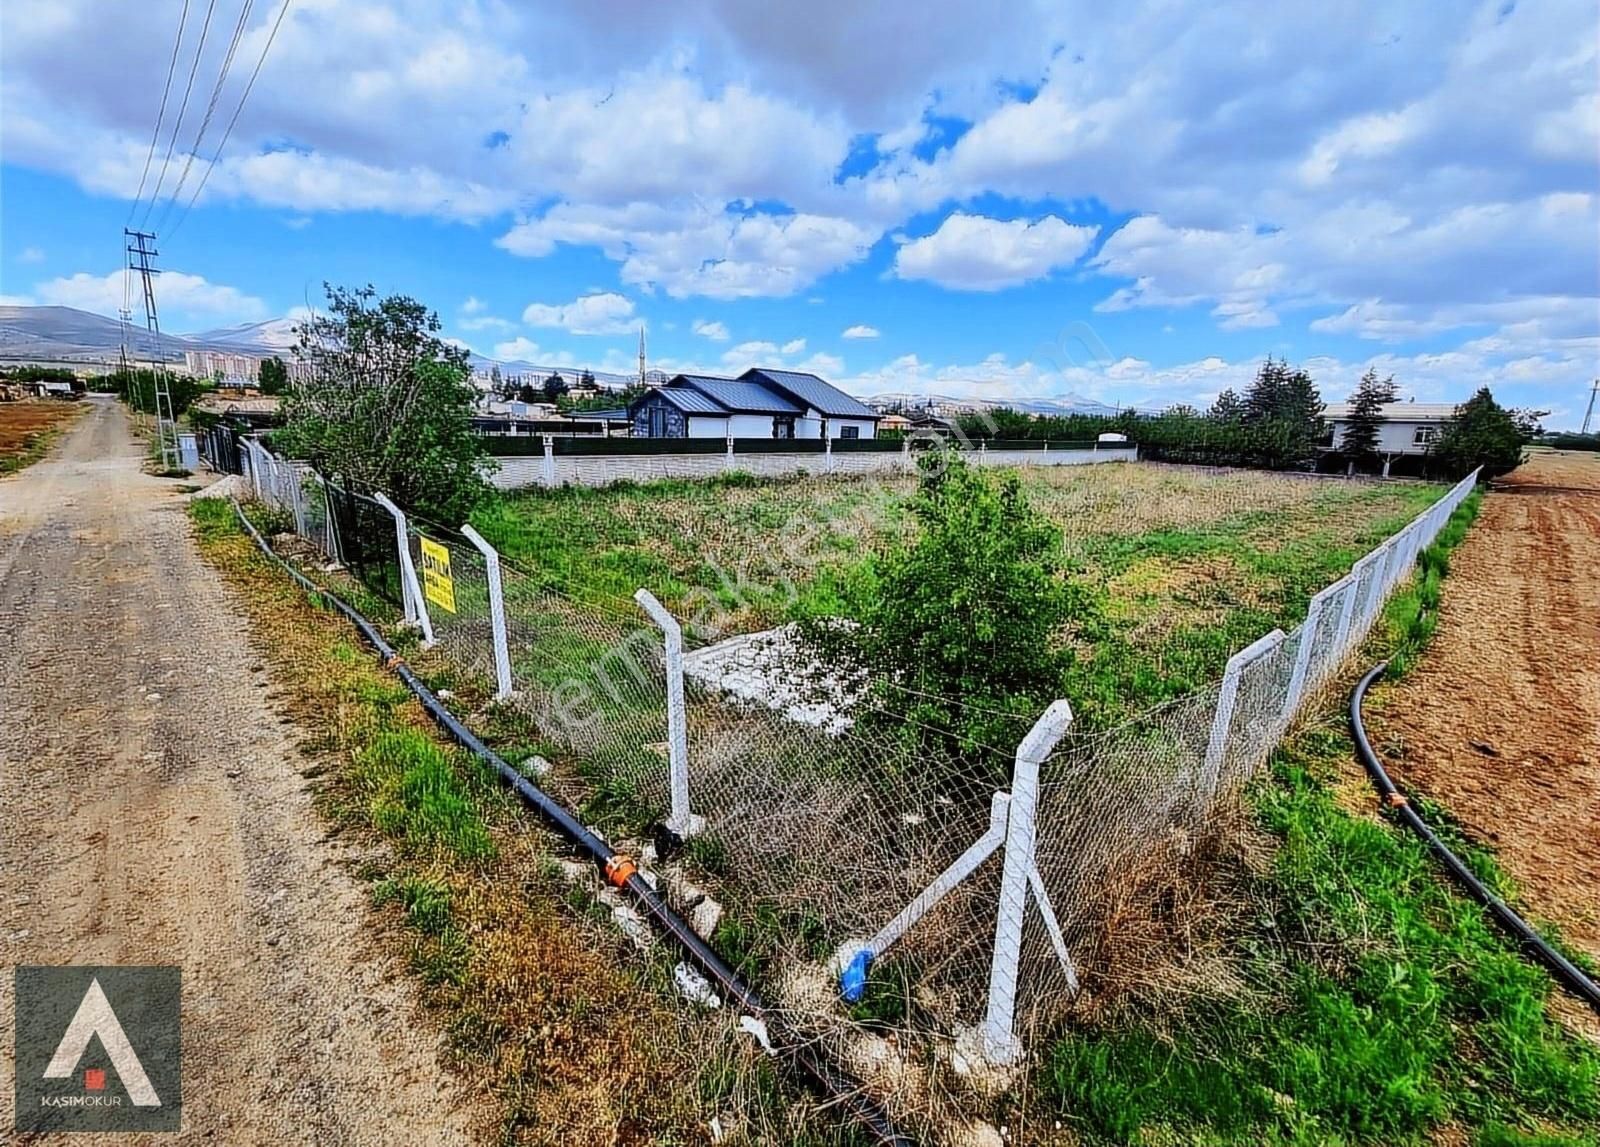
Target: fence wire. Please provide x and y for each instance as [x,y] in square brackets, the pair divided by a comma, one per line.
[822,809]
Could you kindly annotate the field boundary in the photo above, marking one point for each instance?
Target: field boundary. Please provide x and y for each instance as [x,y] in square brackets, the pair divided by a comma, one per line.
[787,815]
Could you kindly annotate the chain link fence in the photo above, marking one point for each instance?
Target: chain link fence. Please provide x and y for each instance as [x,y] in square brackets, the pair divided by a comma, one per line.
[989,884]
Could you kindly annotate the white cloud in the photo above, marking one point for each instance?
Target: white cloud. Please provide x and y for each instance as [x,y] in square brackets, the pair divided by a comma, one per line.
[603,313]
[486,323]
[860,331]
[975,253]
[793,346]
[30,255]
[179,296]
[696,249]
[715,331]
[520,348]
[757,352]
[472,305]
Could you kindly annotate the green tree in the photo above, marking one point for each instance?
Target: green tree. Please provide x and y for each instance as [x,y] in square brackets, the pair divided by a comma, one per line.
[387,403]
[1483,433]
[137,387]
[273,376]
[554,387]
[963,637]
[1228,408]
[586,379]
[1360,441]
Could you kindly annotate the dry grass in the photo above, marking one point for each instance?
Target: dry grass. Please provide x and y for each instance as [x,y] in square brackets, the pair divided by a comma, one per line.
[567,1026]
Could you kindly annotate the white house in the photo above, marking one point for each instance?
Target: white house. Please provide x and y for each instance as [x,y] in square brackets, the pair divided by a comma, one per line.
[1408,428]
[758,404]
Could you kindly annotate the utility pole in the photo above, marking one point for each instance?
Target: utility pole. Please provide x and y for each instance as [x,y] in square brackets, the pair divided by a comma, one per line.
[1588,415]
[166,425]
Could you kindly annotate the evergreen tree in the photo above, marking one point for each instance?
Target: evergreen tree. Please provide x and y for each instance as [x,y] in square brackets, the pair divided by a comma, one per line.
[1360,442]
[273,376]
[554,387]
[1483,433]
[1265,396]
[1227,408]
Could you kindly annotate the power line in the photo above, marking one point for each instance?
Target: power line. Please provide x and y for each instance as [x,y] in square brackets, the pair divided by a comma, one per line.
[177,124]
[211,107]
[155,136]
[211,164]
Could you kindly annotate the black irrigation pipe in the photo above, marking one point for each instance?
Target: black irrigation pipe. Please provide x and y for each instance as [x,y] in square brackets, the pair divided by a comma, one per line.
[1564,969]
[619,870]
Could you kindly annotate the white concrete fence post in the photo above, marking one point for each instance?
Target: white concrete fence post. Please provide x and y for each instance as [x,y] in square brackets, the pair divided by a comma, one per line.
[497,613]
[727,458]
[680,821]
[410,592]
[1347,609]
[1000,1044]
[827,451]
[1302,654]
[1227,701]
[549,476]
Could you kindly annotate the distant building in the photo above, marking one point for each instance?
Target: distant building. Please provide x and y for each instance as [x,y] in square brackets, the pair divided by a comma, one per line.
[1407,429]
[758,404]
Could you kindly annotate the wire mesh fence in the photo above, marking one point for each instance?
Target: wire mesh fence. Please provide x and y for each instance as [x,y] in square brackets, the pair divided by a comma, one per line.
[829,818]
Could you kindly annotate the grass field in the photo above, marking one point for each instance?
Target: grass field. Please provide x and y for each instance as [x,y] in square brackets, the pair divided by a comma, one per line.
[1182,566]
[28,428]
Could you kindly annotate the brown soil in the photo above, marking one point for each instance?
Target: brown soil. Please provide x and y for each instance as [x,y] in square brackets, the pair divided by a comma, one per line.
[1500,722]
[155,812]
[21,422]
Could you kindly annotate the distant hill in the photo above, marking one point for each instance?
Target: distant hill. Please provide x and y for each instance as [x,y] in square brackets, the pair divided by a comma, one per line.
[274,336]
[68,334]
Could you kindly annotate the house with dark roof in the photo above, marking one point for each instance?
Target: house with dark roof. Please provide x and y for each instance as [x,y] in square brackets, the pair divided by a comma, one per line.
[757,404]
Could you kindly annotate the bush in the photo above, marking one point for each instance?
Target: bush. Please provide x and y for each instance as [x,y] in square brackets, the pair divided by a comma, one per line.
[962,637]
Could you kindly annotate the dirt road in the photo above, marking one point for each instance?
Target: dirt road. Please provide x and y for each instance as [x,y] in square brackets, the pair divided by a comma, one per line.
[152,812]
[1500,722]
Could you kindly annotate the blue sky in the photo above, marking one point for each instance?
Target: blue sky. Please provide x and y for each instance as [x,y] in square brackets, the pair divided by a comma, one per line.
[959,199]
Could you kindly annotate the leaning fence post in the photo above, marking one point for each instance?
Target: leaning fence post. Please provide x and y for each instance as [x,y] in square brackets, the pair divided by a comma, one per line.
[1227,700]
[1375,594]
[1347,608]
[1302,654]
[1000,1044]
[497,612]
[680,821]
[410,591]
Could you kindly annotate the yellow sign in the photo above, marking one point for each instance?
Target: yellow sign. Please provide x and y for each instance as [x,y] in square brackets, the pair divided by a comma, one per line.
[437,585]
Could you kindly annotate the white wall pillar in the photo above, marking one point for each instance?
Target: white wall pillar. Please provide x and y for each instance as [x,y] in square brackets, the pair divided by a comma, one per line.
[549,462]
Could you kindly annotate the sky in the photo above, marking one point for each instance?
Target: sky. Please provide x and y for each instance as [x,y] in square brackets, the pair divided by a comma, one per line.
[1009,201]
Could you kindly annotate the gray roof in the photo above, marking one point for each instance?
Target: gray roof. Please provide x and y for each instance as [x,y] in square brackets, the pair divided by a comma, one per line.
[739,396]
[1397,411]
[811,391]
[686,400]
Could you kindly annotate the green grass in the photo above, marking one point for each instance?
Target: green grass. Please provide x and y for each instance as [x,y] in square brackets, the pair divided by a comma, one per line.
[1381,1004]
[1178,568]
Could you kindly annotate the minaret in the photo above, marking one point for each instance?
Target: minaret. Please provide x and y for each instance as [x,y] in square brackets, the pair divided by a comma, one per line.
[641,356]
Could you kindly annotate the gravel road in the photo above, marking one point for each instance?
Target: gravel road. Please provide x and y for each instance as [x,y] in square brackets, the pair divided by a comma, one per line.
[152,811]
